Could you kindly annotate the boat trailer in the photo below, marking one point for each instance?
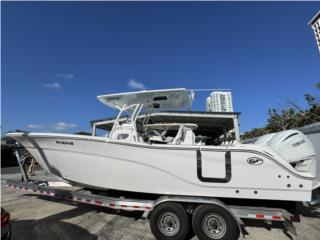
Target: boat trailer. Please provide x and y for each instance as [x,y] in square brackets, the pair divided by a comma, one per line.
[120,203]
[191,206]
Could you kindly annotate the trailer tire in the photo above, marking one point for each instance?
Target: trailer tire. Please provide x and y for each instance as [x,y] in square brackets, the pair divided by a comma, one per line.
[169,221]
[214,222]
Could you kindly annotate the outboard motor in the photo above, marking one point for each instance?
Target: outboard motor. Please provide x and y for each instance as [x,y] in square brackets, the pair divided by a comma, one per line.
[294,147]
[265,139]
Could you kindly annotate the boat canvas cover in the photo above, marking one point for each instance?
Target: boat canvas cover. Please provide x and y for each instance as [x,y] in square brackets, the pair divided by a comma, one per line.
[166,99]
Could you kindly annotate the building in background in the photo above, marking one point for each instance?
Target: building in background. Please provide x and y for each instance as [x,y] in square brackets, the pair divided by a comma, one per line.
[315,24]
[219,101]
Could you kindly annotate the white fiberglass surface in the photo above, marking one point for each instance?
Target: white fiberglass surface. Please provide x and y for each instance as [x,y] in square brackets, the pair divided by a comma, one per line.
[109,164]
[166,99]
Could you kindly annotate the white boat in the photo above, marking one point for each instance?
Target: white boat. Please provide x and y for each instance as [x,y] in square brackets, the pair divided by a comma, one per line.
[168,159]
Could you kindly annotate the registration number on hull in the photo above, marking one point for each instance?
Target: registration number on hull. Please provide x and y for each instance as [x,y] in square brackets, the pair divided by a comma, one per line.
[64,142]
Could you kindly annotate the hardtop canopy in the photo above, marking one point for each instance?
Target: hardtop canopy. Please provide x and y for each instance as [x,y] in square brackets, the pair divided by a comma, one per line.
[166,99]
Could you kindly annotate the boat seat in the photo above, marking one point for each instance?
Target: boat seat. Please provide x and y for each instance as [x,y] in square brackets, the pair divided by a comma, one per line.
[189,137]
[185,136]
[122,134]
[169,139]
[177,140]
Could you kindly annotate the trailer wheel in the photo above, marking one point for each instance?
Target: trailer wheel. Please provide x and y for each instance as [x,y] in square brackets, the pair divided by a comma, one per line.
[169,221]
[213,222]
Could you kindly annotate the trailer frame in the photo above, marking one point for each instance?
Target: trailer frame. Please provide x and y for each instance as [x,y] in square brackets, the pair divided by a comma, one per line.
[42,188]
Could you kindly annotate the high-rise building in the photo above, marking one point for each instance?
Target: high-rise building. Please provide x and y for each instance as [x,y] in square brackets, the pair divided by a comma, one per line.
[219,101]
[315,24]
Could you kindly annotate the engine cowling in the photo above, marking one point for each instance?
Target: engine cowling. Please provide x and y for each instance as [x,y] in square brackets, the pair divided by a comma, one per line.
[293,146]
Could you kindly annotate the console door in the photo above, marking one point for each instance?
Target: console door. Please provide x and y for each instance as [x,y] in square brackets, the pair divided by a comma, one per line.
[214,164]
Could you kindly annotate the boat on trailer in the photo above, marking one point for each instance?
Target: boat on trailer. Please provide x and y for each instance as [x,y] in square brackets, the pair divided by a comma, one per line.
[169,159]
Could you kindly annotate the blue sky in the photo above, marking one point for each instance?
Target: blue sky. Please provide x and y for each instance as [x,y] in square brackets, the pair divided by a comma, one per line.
[58,56]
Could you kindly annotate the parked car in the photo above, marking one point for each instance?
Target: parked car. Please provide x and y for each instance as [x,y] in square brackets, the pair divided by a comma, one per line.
[5,225]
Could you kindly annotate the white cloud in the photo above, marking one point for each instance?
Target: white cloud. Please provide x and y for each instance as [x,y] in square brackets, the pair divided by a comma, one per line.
[35,126]
[54,86]
[66,75]
[63,126]
[135,85]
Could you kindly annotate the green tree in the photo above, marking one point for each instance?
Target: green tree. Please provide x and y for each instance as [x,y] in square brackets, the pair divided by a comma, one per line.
[292,117]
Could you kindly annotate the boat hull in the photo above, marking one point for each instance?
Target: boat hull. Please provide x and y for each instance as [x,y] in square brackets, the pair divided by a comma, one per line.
[208,171]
